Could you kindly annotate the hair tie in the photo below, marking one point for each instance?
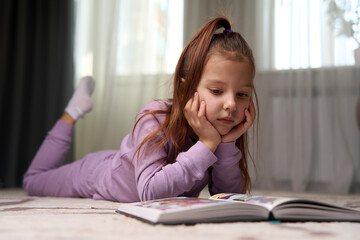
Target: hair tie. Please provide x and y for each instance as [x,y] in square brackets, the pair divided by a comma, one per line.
[227,31]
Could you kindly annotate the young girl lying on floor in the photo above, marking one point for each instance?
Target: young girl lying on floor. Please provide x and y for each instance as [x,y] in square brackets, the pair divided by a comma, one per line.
[177,147]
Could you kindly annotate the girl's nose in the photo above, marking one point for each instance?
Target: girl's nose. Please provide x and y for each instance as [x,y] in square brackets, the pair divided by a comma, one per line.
[230,103]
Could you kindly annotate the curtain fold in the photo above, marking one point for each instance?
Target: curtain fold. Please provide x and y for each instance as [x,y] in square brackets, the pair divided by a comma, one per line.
[36,75]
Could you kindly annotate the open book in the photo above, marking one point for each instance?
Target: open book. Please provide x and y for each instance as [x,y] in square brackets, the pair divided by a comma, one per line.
[228,207]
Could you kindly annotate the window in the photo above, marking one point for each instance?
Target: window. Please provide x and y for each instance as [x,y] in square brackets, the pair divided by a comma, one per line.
[150,36]
[307,34]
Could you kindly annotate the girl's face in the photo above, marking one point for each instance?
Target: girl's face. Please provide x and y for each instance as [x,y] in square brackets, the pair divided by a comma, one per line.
[226,87]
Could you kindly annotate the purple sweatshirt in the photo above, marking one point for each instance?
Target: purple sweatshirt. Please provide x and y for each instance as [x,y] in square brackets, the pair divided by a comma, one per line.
[117,176]
[151,178]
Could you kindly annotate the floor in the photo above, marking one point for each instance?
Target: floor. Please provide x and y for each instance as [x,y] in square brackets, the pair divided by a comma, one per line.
[26,217]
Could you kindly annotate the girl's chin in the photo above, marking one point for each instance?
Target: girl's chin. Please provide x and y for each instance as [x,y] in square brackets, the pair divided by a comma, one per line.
[223,131]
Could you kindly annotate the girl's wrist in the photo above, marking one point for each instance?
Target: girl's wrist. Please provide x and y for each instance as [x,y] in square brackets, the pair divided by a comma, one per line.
[210,144]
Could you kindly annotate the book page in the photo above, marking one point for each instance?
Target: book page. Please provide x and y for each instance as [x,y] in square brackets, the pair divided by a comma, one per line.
[176,203]
[268,202]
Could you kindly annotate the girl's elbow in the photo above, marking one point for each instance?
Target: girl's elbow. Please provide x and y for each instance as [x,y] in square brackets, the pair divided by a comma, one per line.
[146,196]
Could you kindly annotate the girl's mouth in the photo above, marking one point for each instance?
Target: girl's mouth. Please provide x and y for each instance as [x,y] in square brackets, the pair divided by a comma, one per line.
[226,120]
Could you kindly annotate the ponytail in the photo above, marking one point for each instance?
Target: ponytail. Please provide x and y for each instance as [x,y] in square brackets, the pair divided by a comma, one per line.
[193,59]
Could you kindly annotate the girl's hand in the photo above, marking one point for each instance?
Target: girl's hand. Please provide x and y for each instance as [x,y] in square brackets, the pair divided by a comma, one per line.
[195,115]
[240,129]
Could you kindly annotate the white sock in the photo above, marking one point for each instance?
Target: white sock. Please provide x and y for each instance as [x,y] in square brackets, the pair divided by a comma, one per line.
[80,102]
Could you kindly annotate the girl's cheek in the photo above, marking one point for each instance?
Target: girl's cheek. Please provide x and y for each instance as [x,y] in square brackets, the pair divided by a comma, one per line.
[246,106]
[200,96]
[242,113]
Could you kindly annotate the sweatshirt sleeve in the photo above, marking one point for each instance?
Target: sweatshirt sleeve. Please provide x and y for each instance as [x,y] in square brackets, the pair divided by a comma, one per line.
[226,174]
[155,179]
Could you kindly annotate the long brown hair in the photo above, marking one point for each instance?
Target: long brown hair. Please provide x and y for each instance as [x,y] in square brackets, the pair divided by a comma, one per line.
[190,67]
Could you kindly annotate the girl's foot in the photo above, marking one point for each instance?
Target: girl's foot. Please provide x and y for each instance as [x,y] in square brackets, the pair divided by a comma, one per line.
[80,102]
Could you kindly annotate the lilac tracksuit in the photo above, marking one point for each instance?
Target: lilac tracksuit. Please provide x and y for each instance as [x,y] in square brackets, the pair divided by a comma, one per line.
[114,174]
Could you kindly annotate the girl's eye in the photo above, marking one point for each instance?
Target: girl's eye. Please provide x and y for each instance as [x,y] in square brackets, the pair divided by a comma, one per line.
[242,94]
[215,91]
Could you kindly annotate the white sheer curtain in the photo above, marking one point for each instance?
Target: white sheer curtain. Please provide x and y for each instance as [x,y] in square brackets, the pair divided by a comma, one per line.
[309,134]
[309,139]
[129,47]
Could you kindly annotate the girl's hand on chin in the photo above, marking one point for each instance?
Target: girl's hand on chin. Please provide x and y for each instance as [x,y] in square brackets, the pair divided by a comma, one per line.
[240,129]
[194,112]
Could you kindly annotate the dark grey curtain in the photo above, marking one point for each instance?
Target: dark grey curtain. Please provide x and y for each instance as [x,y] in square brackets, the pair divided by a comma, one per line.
[36,75]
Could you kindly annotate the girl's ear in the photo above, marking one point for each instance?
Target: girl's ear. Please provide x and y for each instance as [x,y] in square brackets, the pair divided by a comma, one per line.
[182,80]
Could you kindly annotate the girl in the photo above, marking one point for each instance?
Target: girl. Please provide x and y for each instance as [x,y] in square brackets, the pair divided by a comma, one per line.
[177,147]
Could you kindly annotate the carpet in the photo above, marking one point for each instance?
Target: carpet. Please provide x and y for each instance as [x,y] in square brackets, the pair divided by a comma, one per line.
[28,217]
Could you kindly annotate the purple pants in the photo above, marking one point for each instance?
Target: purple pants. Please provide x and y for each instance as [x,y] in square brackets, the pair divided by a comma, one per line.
[47,176]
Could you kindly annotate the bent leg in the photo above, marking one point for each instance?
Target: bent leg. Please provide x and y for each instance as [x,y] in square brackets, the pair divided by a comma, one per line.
[50,155]
[45,175]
